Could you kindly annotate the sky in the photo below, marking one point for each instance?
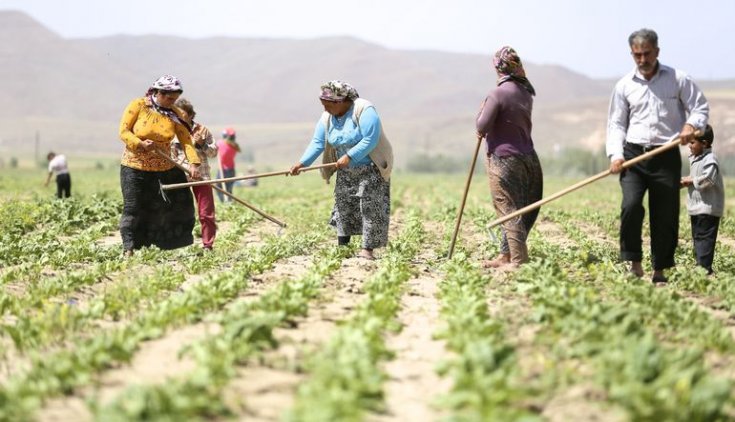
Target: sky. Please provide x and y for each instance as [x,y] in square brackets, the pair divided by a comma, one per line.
[586,36]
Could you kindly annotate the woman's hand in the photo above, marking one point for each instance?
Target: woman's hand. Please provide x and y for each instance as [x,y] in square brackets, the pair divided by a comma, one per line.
[147,145]
[296,169]
[194,173]
[343,161]
[686,181]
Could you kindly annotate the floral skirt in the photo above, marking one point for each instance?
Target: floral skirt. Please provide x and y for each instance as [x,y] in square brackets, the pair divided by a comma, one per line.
[149,218]
[362,205]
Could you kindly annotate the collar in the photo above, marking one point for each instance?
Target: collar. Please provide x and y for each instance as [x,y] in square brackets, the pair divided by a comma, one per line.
[637,75]
[704,153]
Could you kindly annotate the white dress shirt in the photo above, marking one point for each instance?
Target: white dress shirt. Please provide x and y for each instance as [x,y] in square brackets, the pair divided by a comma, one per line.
[653,112]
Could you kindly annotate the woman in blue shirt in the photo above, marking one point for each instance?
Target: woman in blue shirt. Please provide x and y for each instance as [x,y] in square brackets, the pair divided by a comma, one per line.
[350,134]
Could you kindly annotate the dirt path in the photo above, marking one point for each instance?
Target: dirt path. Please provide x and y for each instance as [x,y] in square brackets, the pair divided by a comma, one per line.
[267,388]
[413,382]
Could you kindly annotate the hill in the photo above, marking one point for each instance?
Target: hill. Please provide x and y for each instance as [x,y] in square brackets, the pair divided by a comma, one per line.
[72,91]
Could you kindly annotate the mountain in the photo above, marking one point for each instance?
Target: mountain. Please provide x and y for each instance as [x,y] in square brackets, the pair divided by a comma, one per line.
[72,91]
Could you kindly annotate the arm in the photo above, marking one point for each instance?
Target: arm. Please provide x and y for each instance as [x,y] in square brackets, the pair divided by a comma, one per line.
[129,117]
[617,128]
[48,178]
[182,134]
[487,114]
[369,125]
[316,146]
[696,105]
[209,146]
[707,178]
[185,139]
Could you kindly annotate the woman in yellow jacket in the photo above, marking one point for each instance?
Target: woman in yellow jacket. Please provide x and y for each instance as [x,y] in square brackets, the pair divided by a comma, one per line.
[147,126]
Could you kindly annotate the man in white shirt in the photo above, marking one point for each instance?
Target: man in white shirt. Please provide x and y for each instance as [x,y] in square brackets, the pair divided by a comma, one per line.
[650,106]
[57,164]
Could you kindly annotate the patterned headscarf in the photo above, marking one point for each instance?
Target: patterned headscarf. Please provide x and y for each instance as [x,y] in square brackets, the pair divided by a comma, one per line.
[338,91]
[509,67]
[168,83]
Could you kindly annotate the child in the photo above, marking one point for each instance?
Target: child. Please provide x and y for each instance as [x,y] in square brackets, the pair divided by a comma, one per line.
[706,197]
[203,141]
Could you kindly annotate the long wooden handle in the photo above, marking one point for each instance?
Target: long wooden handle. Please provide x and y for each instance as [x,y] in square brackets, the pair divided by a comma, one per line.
[464,198]
[219,189]
[626,164]
[236,178]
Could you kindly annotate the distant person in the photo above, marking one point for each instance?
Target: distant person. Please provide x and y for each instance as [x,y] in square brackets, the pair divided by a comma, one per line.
[228,148]
[706,197]
[57,164]
[251,182]
[350,133]
[206,148]
[149,124]
[650,106]
[513,168]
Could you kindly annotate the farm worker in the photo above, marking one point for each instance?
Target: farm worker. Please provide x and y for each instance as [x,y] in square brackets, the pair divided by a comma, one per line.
[512,166]
[650,106]
[350,133]
[228,148]
[147,124]
[57,164]
[706,197]
[206,148]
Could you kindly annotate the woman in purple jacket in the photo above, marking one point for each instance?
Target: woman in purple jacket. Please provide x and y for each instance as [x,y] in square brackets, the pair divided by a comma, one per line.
[513,168]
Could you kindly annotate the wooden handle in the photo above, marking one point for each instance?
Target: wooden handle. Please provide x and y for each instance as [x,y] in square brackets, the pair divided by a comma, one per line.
[236,178]
[464,198]
[629,163]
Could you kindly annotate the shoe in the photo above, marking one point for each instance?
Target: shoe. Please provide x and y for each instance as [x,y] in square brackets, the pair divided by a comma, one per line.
[127,253]
[659,280]
[366,254]
[636,269]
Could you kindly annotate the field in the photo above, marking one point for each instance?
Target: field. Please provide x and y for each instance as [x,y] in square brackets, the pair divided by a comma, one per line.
[281,324]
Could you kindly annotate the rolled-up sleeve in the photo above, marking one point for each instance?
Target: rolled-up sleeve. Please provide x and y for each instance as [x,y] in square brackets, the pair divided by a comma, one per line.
[617,123]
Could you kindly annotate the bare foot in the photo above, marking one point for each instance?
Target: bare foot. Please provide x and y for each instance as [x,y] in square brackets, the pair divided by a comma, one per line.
[366,254]
[499,261]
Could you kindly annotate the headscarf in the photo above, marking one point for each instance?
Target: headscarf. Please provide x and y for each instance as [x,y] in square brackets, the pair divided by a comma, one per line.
[337,90]
[509,68]
[166,83]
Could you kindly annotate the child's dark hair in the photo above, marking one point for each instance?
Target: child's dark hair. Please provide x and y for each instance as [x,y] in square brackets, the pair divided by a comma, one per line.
[708,136]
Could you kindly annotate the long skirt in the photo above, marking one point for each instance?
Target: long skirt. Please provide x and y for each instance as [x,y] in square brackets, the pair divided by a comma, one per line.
[149,218]
[362,205]
[515,181]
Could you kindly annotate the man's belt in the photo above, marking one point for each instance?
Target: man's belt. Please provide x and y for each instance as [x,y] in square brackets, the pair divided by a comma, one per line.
[641,148]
